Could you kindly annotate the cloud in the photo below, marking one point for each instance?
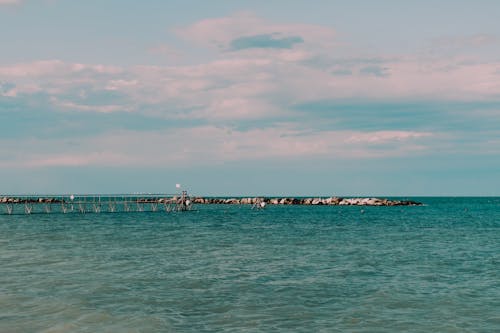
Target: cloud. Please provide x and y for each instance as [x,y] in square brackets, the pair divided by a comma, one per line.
[52,68]
[7,89]
[265,41]
[205,145]
[456,43]
[387,136]
[68,105]
[239,88]
[271,91]
[375,71]
[255,92]
[10,2]
[246,29]
[341,72]
[166,51]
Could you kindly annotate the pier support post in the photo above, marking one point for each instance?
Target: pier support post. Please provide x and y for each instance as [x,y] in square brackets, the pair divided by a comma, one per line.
[111,206]
[139,205]
[97,205]
[28,207]
[64,208]
[126,207]
[82,206]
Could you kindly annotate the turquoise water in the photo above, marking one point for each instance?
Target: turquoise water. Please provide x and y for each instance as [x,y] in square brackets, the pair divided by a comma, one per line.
[434,268]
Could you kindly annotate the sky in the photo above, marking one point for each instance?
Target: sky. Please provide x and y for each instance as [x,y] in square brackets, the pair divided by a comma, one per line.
[230,97]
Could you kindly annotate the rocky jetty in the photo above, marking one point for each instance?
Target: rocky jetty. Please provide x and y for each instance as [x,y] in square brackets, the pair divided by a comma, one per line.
[317,201]
[330,201]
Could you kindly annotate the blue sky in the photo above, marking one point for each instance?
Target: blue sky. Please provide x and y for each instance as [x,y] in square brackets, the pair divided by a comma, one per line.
[389,98]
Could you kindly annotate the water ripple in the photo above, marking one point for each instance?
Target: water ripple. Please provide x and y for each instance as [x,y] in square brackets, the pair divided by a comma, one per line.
[227,268]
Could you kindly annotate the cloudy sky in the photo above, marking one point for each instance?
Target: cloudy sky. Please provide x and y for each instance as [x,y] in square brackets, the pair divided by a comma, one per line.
[254,97]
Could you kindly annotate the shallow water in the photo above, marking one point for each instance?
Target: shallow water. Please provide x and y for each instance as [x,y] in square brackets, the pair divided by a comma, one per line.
[434,268]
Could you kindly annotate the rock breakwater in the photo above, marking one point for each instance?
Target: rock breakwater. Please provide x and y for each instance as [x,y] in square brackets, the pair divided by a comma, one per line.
[316,201]
[330,201]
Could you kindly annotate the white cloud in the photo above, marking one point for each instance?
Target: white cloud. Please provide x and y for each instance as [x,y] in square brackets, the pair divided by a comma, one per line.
[108,108]
[386,136]
[120,84]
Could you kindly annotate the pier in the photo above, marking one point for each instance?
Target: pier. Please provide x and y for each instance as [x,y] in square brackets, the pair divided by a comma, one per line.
[94,203]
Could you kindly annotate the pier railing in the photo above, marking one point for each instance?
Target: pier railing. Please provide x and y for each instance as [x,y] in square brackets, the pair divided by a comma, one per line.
[94,203]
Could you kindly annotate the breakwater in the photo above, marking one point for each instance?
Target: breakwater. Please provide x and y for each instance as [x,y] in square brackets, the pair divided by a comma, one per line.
[314,201]
[329,201]
[167,203]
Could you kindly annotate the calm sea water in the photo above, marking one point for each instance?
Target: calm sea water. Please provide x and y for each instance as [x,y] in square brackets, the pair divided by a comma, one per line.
[283,269]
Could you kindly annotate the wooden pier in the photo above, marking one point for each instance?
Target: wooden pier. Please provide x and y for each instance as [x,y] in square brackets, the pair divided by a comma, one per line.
[94,203]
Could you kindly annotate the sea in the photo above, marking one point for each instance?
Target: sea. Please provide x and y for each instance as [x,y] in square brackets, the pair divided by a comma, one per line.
[228,268]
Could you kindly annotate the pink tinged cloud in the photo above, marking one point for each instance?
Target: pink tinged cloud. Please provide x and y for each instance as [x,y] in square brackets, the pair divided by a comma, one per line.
[219,32]
[254,83]
[210,145]
[10,2]
[43,68]
[241,87]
